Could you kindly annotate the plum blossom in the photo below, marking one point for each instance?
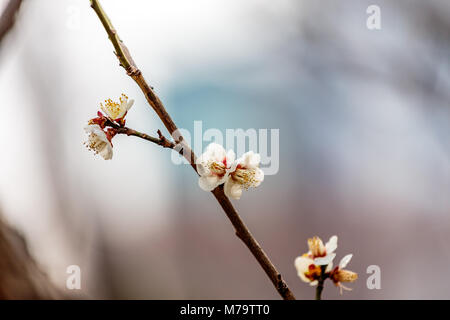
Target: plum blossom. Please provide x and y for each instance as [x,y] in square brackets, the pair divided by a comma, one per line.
[117,111]
[315,266]
[214,166]
[246,174]
[99,137]
[308,271]
[322,254]
[99,141]
[309,265]
[339,274]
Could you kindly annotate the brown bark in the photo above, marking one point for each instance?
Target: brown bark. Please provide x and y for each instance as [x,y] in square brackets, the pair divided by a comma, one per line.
[243,233]
[20,276]
[8,17]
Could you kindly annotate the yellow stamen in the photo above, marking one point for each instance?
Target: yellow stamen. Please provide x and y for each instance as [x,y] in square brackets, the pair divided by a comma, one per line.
[245,177]
[347,276]
[316,247]
[95,144]
[217,168]
[313,272]
[114,109]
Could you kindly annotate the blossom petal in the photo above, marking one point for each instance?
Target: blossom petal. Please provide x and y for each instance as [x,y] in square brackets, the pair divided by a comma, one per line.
[232,190]
[202,164]
[322,261]
[230,156]
[259,176]
[107,152]
[233,166]
[255,160]
[98,141]
[202,169]
[345,260]
[95,129]
[208,183]
[250,160]
[331,245]
[314,283]
[215,152]
[302,264]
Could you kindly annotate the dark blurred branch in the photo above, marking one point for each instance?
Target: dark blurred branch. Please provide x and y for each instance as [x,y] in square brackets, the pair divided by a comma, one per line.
[20,276]
[320,283]
[8,17]
[242,231]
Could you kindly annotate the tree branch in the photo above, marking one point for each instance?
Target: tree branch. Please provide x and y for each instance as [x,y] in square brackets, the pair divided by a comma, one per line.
[8,17]
[161,140]
[320,283]
[20,275]
[242,231]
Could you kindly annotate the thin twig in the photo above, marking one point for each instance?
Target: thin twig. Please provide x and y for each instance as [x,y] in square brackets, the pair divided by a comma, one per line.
[161,140]
[319,290]
[8,17]
[323,277]
[242,231]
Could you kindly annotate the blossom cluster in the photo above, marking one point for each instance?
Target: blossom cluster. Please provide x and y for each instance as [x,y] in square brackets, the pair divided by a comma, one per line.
[217,166]
[317,264]
[100,138]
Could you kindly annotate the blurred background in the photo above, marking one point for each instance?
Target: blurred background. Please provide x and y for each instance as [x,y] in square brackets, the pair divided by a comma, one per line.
[364,120]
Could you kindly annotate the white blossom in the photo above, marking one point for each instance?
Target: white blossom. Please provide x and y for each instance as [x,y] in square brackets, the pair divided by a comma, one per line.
[316,265]
[339,274]
[214,166]
[246,174]
[307,270]
[309,265]
[98,141]
[322,254]
[116,110]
